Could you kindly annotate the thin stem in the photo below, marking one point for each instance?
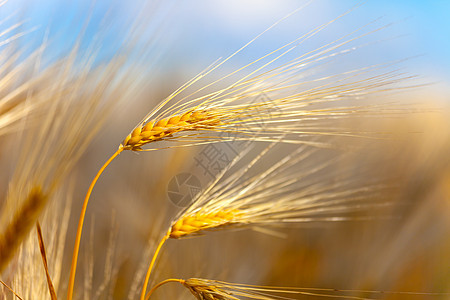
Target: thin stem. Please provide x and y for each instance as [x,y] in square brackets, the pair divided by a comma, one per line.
[51,288]
[10,289]
[149,271]
[162,283]
[73,267]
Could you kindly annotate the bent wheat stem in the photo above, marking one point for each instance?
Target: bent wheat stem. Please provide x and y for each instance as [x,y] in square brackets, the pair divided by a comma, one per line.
[149,271]
[162,283]
[73,267]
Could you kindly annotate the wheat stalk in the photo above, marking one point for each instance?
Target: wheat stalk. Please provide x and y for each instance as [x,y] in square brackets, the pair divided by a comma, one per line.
[11,290]
[279,193]
[291,104]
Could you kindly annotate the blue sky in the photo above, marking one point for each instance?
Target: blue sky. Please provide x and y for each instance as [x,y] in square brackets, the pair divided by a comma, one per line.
[422,27]
[199,31]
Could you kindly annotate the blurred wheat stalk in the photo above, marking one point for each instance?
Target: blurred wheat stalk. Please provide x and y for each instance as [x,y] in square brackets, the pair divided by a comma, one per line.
[248,193]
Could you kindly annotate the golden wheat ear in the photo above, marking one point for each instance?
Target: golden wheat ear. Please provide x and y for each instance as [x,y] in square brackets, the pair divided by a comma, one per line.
[200,221]
[219,290]
[302,187]
[154,130]
[262,104]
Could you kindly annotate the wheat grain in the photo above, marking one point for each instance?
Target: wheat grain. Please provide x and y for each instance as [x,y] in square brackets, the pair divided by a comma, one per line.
[162,129]
[190,224]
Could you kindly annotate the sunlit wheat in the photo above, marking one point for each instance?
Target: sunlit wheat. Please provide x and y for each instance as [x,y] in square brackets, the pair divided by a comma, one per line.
[293,107]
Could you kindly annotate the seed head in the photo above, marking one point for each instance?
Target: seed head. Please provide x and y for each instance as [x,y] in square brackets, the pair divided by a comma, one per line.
[156,130]
[204,291]
[193,223]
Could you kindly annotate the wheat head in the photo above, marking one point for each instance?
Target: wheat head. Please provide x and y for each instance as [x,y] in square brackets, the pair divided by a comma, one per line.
[292,190]
[157,130]
[12,236]
[203,291]
[220,290]
[187,225]
[267,98]
[195,223]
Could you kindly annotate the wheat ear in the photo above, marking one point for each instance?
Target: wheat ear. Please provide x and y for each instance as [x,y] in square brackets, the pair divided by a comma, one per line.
[73,267]
[205,289]
[22,222]
[157,130]
[187,225]
[197,222]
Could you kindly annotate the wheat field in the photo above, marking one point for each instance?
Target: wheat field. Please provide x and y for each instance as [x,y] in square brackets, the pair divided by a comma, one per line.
[149,153]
